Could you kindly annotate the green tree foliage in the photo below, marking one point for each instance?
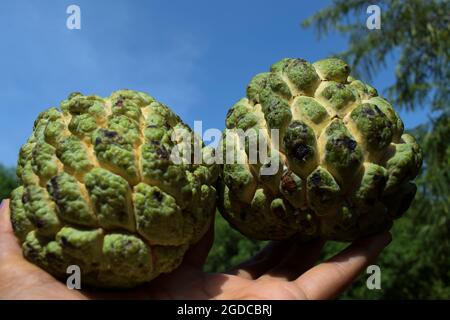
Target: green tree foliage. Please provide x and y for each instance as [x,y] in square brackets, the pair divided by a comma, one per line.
[417,30]
[7,182]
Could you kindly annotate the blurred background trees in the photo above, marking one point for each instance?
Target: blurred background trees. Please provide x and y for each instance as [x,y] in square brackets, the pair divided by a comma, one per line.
[417,263]
[7,181]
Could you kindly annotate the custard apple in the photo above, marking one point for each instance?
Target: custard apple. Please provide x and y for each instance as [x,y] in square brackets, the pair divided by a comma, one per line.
[344,163]
[98,189]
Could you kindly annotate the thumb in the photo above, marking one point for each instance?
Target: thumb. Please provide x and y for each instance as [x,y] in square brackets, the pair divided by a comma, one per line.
[332,277]
[8,242]
[198,253]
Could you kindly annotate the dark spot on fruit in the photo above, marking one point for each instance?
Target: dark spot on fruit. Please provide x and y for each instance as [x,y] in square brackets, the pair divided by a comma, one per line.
[65,242]
[301,151]
[350,144]
[316,179]
[110,134]
[158,196]
[119,103]
[340,86]
[39,223]
[155,142]
[288,183]
[25,198]
[230,112]
[162,153]
[345,142]
[55,190]
[98,140]
[367,111]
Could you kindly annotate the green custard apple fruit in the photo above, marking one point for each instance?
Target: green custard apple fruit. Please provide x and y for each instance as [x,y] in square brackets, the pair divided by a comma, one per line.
[344,164]
[98,189]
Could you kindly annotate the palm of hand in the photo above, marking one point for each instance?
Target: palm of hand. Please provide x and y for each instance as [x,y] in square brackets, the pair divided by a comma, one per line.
[282,270]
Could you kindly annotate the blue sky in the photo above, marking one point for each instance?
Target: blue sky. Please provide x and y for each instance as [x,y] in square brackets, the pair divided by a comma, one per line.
[196,56]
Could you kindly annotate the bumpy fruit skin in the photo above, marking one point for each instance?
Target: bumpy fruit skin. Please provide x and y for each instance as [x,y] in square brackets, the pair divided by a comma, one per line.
[99,190]
[345,165]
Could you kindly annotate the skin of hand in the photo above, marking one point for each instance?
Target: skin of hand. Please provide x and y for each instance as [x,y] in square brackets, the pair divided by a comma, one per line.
[282,270]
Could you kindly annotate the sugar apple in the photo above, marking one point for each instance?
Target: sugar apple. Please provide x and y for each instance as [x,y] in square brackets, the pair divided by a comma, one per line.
[344,164]
[99,190]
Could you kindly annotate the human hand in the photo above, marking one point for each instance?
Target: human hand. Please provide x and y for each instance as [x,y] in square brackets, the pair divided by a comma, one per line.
[282,270]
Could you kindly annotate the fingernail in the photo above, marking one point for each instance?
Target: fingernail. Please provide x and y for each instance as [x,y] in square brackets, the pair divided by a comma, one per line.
[2,204]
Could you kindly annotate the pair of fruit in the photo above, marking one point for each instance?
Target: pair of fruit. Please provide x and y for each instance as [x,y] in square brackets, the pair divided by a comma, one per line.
[99,188]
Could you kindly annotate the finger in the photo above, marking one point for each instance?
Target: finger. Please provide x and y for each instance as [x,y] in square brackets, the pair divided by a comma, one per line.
[197,254]
[188,273]
[9,245]
[300,258]
[264,260]
[5,224]
[329,279]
